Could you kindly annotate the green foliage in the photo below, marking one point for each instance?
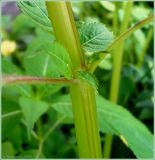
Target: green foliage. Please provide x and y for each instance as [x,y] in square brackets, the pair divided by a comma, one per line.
[115,119]
[38,54]
[8,150]
[48,59]
[88,78]
[42,37]
[139,139]
[95,37]
[10,122]
[140,13]
[37,11]
[60,58]
[21,25]
[39,65]
[36,62]
[8,67]
[32,110]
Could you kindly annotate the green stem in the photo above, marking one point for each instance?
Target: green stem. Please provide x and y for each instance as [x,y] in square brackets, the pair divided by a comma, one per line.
[117,64]
[118,56]
[32,132]
[128,32]
[11,114]
[52,128]
[42,141]
[39,149]
[122,37]
[82,94]
[107,146]
[145,47]
[39,128]
[115,19]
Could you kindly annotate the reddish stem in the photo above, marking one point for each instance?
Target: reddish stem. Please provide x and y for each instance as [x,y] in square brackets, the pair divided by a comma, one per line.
[36,80]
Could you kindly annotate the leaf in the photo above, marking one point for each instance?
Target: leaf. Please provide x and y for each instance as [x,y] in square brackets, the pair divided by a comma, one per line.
[15,136]
[21,25]
[63,105]
[117,120]
[32,110]
[139,139]
[8,150]
[38,42]
[94,36]
[36,10]
[36,61]
[9,123]
[8,67]
[60,58]
[88,78]
[108,5]
[30,154]
[49,58]
[140,13]
[40,65]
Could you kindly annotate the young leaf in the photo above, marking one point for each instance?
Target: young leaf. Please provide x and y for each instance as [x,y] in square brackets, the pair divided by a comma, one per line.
[88,78]
[117,120]
[95,37]
[36,10]
[32,110]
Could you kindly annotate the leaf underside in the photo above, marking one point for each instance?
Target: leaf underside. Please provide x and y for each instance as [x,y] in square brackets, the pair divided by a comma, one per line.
[37,11]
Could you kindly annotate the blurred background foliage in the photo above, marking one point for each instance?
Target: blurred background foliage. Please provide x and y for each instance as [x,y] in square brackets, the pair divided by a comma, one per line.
[20,38]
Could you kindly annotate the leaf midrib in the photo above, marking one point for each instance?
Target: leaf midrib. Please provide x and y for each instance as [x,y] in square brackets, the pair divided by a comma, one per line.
[92,39]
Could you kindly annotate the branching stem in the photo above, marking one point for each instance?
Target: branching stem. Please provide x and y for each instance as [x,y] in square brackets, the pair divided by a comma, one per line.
[42,141]
[36,80]
[122,37]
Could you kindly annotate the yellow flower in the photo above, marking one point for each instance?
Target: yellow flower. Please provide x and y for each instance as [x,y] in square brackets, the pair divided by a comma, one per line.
[8,47]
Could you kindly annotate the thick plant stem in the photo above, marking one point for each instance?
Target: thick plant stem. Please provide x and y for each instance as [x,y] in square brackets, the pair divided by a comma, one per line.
[83,95]
[117,64]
